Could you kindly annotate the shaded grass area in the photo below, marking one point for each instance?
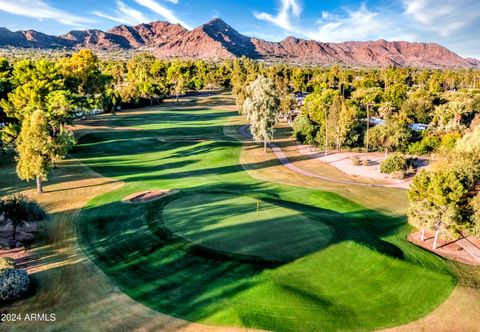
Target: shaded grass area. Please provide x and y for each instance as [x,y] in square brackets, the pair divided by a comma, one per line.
[210,219]
[366,276]
[9,182]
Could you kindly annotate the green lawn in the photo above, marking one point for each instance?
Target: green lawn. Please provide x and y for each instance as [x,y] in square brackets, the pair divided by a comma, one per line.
[309,260]
[231,225]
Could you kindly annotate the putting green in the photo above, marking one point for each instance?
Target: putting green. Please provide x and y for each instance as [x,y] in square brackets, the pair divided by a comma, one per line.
[232,224]
[310,260]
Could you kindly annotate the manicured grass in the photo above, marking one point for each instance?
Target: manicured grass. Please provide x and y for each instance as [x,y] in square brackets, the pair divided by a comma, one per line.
[310,260]
[231,224]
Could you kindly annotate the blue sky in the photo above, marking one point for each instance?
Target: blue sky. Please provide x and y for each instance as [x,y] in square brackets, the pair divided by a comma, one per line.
[452,23]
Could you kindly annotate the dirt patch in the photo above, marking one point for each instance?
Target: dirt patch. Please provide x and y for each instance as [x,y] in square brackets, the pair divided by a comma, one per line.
[343,162]
[147,196]
[452,250]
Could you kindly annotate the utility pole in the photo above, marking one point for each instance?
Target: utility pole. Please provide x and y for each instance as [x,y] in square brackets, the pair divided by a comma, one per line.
[326,136]
[368,128]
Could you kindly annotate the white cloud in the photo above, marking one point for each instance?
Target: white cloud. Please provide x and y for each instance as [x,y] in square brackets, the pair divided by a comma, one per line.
[356,25]
[452,23]
[162,11]
[446,17]
[283,19]
[41,10]
[124,15]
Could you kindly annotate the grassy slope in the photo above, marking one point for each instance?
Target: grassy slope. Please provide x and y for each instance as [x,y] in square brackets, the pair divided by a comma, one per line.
[367,269]
[65,281]
[61,272]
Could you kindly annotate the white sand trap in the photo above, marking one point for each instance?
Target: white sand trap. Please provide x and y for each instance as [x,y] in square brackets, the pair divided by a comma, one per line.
[342,161]
[147,196]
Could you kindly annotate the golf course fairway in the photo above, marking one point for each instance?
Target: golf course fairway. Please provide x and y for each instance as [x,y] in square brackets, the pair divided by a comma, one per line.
[227,249]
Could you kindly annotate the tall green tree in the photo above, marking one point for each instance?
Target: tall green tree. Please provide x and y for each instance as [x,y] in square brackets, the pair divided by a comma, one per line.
[178,76]
[83,75]
[349,125]
[112,101]
[446,196]
[35,149]
[261,107]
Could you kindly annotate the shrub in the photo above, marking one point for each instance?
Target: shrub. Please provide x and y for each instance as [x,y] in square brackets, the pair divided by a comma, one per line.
[475,218]
[13,284]
[304,129]
[393,163]
[355,161]
[448,141]
[427,145]
[365,162]
[7,263]
[19,210]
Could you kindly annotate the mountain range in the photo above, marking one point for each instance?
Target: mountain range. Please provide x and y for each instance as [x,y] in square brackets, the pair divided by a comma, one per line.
[216,40]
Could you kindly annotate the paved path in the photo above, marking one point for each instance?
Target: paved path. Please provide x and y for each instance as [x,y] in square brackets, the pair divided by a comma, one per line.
[245,132]
[469,247]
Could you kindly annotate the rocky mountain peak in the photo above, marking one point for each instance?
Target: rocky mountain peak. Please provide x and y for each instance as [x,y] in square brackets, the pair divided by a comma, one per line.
[218,40]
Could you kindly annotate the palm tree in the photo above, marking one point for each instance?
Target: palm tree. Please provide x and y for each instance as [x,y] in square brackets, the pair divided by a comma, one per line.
[457,109]
[441,115]
[386,110]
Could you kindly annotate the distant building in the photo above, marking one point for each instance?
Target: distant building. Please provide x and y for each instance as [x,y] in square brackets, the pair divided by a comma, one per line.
[418,126]
[292,114]
[414,126]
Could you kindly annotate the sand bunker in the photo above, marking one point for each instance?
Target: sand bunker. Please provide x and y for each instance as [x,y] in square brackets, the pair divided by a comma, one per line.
[147,196]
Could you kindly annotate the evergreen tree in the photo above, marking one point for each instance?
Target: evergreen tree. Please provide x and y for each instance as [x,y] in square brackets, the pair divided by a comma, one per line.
[35,149]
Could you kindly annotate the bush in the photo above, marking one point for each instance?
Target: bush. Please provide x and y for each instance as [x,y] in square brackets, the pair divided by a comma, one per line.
[448,141]
[7,263]
[355,161]
[365,162]
[427,145]
[304,129]
[19,211]
[13,284]
[393,163]
[475,218]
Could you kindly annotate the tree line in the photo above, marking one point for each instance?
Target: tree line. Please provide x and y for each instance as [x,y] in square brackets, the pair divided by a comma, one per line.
[444,199]
[40,98]
[340,100]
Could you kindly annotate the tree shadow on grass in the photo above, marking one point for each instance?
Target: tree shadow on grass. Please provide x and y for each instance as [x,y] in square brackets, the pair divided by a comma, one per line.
[155,115]
[176,276]
[170,274]
[136,160]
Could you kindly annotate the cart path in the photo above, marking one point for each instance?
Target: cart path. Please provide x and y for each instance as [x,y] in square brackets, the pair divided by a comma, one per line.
[469,247]
[244,131]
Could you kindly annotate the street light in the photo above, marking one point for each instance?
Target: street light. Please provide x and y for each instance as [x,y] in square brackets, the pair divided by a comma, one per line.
[368,104]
